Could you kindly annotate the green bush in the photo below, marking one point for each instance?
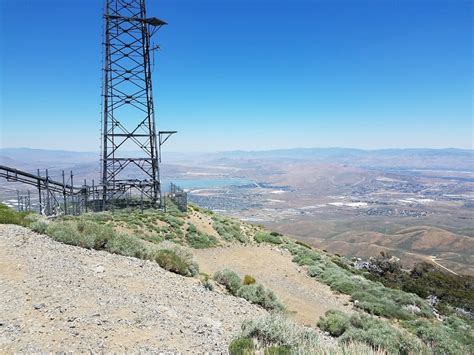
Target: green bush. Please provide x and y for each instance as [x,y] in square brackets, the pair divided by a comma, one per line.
[380,334]
[36,222]
[124,244]
[276,329]
[174,222]
[184,254]
[10,216]
[192,228]
[334,322]
[170,261]
[278,350]
[208,285]
[426,279]
[452,336]
[258,294]
[199,240]
[91,235]
[304,256]
[66,232]
[277,334]
[154,238]
[254,293]
[229,279]
[371,296]
[266,237]
[102,234]
[241,346]
[248,280]
[39,226]
[315,271]
[228,229]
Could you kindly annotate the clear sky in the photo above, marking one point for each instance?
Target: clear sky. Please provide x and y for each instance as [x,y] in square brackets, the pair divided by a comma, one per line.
[241,74]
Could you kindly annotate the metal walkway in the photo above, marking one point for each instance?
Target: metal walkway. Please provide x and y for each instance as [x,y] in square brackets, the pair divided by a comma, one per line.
[57,197]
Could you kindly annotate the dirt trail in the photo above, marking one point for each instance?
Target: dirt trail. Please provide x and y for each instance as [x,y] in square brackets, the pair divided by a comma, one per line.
[306,298]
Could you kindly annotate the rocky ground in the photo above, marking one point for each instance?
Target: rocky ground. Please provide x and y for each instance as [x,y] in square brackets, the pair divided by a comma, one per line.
[55,297]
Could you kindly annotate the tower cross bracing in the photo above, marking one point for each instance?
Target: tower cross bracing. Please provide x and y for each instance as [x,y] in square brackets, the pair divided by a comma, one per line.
[130,149]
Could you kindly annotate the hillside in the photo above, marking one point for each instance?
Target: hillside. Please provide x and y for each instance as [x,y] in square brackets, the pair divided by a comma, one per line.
[56,297]
[413,244]
[293,297]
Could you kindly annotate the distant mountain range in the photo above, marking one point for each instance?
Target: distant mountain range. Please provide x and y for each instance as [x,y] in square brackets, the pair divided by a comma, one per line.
[450,158]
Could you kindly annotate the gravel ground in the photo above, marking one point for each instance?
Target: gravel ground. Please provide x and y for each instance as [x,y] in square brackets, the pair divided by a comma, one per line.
[56,297]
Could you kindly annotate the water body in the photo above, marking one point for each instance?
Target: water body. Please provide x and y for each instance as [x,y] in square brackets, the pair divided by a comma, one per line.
[204,183]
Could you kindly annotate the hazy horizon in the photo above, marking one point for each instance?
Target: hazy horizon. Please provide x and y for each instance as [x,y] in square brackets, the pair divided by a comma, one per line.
[254,150]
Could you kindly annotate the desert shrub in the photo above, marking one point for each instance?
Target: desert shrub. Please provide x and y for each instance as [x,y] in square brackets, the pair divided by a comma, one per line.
[426,279]
[380,334]
[192,228]
[170,261]
[346,286]
[258,294]
[100,216]
[228,229]
[277,334]
[10,216]
[277,350]
[101,234]
[305,261]
[315,271]
[304,256]
[334,322]
[170,236]
[229,279]
[199,240]
[266,237]
[39,226]
[173,221]
[154,238]
[452,336]
[184,254]
[127,245]
[276,329]
[36,223]
[241,346]
[86,233]
[371,296]
[66,232]
[208,285]
[91,235]
[248,280]
[254,293]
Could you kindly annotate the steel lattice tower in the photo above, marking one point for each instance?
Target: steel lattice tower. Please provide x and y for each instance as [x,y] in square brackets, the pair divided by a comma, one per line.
[130,149]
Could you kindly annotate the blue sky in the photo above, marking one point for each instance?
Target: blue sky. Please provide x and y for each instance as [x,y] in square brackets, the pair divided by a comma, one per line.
[241,74]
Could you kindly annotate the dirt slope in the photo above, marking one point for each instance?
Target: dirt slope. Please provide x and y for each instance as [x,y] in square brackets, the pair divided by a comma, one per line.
[305,297]
[55,297]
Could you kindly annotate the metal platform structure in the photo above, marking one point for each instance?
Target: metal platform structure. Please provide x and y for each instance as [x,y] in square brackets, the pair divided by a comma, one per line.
[55,197]
[128,122]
